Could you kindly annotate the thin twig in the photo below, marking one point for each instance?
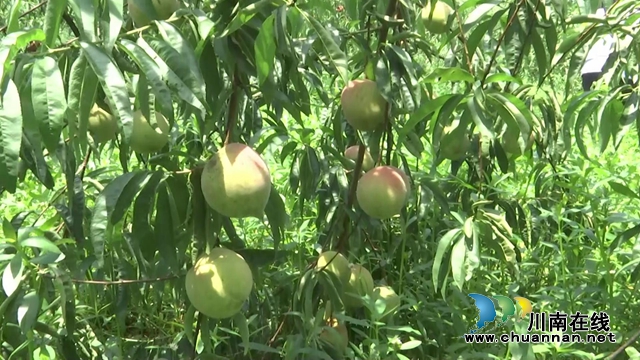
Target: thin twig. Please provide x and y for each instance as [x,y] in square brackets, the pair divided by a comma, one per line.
[530,30]
[494,56]
[232,114]
[120,282]
[278,331]
[124,281]
[284,317]
[83,166]
[463,40]
[4,28]
[384,30]
[627,343]
[342,241]
[68,45]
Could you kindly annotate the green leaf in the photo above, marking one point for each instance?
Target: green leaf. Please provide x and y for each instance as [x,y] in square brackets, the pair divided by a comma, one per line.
[502,77]
[608,118]
[301,90]
[477,114]
[310,173]
[540,54]
[83,85]
[206,29]
[12,275]
[261,348]
[265,49]
[569,43]
[100,220]
[247,12]
[332,287]
[84,16]
[152,73]
[191,69]
[65,289]
[411,344]
[145,102]
[504,234]
[171,78]
[142,210]
[30,125]
[512,116]
[33,159]
[437,192]
[77,207]
[629,116]
[443,246]
[52,19]
[189,321]
[10,135]
[408,71]
[14,16]
[444,116]
[115,23]
[337,57]
[240,321]
[584,117]
[181,197]
[458,262]
[133,187]
[427,108]
[28,311]
[198,209]
[623,237]
[8,230]
[49,103]
[41,242]
[454,74]
[623,189]
[113,84]
[482,29]
[413,143]
[165,227]
[146,10]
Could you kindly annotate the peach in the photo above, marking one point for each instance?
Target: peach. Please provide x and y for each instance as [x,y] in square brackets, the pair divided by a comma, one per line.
[363,106]
[383,192]
[236,182]
[352,154]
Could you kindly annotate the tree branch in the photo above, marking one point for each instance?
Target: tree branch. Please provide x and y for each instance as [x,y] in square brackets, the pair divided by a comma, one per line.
[500,40]
[232,113]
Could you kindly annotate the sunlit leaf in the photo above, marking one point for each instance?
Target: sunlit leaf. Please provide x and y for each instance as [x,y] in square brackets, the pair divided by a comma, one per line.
[10,134]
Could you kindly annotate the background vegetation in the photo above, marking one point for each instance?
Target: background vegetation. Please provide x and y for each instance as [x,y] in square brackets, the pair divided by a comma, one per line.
[96,239]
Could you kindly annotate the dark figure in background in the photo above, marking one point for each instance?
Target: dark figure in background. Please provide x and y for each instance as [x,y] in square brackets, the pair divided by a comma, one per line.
[596,58]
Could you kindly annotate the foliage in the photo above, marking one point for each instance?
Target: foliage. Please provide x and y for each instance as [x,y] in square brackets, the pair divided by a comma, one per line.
[97,239]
